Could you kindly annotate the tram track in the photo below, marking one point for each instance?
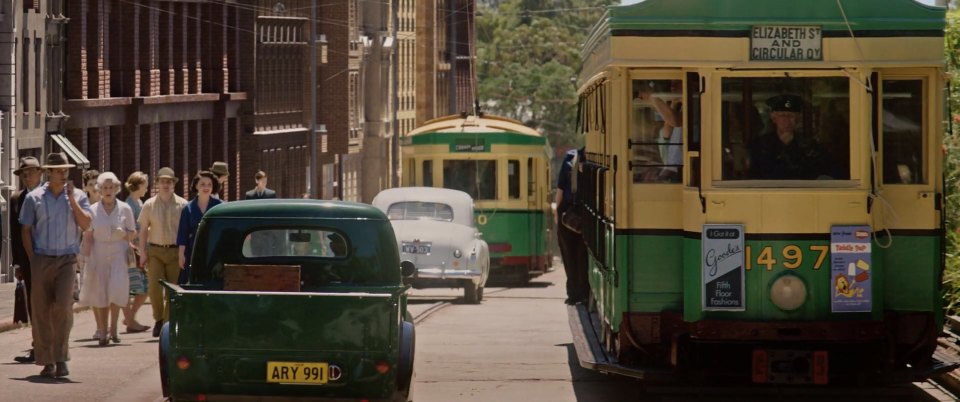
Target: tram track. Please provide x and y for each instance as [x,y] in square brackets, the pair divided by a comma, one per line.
[948,348]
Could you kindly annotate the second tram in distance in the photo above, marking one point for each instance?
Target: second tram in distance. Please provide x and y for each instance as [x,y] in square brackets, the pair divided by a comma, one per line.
[504,166]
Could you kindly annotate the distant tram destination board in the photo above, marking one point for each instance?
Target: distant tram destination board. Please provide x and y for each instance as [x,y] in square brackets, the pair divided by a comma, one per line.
[723,273]
[789,43]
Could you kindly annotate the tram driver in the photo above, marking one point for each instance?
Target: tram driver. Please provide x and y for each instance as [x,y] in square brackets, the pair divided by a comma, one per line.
[787,154]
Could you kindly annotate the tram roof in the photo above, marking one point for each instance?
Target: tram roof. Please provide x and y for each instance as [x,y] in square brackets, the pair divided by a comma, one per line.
[736,18]
[474,124]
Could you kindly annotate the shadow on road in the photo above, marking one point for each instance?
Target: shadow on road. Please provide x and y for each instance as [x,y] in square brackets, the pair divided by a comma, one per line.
[36,379]
[591,386]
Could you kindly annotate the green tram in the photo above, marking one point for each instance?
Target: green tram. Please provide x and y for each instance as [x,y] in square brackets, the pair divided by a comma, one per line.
[504,166]
[764,191]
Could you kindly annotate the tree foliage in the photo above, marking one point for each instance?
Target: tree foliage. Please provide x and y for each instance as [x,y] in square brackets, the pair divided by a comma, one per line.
[951,145]
[527,61]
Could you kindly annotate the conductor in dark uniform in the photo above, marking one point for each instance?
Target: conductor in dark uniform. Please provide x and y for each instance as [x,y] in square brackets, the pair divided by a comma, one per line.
[786,153]
[30,176]
[261,191]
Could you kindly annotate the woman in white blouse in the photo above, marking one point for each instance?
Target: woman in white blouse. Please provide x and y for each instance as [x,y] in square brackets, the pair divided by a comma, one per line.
[106,283]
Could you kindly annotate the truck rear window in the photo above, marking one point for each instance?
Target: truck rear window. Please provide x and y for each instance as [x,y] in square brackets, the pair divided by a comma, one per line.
[294,243]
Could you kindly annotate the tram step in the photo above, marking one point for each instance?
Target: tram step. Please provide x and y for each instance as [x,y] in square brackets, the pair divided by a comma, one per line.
[590,352]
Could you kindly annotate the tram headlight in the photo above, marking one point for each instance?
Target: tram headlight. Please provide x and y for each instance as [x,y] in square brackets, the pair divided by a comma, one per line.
[788,292]
[457,253]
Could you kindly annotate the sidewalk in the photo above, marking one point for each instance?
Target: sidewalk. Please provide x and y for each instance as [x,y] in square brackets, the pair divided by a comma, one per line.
[7,293]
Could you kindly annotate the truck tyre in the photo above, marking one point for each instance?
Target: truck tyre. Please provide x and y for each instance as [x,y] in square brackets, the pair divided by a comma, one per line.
[164,370]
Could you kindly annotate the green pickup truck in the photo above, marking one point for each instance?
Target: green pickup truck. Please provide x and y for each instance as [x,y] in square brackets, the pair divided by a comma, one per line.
[290,299]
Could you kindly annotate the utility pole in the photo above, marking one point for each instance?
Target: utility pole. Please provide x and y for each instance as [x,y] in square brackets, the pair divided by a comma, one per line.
[394,78]
[314,159]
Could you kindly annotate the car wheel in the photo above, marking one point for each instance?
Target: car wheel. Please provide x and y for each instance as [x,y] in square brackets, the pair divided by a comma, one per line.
[470,293]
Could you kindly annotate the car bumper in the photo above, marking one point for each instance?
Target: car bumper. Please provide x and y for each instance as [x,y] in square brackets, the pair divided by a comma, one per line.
[448,273]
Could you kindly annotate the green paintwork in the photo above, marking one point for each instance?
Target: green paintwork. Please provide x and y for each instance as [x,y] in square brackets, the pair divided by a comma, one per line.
[741,15]
[524,230]
[663,273]
[349,311]
[489,139]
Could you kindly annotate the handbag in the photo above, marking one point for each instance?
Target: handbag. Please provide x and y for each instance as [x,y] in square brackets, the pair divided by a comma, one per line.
[573,219]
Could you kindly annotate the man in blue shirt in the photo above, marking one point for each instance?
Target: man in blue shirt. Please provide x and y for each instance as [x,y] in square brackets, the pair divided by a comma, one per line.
[53,217]
[572,248]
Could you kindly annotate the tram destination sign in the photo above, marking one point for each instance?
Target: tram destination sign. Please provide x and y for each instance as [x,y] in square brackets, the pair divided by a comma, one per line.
[722,266]
[786,42]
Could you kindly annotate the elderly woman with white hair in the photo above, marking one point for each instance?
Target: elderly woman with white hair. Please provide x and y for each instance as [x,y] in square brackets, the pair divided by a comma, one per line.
[106,283]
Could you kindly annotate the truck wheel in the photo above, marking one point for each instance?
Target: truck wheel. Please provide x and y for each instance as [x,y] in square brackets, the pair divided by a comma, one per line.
[479,293]
[164,370]
[470,295]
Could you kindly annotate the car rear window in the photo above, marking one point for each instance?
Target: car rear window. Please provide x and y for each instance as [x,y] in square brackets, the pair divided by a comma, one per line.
[414,210]
[294,243]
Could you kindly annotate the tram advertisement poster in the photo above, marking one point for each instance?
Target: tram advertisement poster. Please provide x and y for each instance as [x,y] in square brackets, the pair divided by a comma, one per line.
[850,275]
[723,273]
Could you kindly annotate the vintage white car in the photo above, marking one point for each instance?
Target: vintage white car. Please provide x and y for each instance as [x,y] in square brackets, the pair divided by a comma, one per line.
[435,231]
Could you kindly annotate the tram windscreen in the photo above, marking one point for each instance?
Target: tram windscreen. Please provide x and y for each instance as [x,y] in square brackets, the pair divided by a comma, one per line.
[475,177]
[785,128]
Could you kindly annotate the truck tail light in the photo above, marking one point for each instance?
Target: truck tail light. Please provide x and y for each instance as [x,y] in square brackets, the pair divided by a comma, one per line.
[383,367]
[183,363]
[760,366]
[821,367]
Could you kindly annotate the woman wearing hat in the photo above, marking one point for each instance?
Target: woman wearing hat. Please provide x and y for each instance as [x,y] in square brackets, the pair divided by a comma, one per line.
[106,283]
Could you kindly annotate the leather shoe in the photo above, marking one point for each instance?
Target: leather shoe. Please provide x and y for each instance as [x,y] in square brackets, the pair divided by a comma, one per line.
[27,358]
[62,369]
[156,329]
[48,371]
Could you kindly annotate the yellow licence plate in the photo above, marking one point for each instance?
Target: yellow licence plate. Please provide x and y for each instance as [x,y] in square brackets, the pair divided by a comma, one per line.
[297,372]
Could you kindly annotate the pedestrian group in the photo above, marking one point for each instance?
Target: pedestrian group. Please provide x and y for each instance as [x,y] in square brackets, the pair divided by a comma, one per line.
[122,250]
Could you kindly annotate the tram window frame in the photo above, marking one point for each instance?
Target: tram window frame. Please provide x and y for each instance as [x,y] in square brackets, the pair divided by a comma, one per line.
[513,179]
[737,98]
[648,148]
[894,150]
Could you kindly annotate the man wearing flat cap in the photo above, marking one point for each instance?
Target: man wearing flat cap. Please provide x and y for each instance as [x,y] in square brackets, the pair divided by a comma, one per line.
[159,222]
[222,171]
[786,153]
[30,174]
[53,217]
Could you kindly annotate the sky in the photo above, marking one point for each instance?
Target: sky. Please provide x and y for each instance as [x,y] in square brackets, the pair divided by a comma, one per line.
[930,2]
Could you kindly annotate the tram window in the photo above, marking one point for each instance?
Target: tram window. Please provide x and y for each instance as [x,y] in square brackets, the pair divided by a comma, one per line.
[903,132]
[531,177]
[785,128]
[475,177]
[513,179]
[427,173]
[656,135]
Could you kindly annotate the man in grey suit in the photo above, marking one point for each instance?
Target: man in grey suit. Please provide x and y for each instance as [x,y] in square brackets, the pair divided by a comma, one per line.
[261,191]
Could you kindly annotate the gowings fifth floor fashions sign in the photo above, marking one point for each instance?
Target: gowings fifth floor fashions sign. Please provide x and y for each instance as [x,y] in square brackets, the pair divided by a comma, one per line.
[722,266]
[794,43]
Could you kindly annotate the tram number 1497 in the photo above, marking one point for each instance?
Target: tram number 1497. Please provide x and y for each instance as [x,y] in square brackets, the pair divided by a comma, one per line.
[790,256]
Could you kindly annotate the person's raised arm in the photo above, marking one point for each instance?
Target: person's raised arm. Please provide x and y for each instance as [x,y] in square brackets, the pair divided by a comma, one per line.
[81,208]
